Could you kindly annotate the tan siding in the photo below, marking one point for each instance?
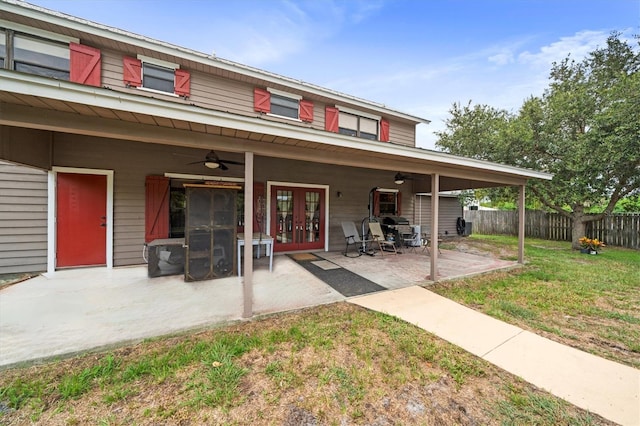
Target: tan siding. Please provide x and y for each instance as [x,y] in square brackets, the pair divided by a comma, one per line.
[402,133]
[23,219]
[450,210]
[233,96]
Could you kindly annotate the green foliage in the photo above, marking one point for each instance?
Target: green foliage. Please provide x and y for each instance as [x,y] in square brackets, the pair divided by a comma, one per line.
[628,205]
[584,130]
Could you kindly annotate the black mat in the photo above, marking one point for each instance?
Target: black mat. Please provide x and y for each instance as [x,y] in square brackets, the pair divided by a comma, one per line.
[341,280]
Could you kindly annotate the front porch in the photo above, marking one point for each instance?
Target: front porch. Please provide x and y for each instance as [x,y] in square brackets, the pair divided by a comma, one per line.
[77,310]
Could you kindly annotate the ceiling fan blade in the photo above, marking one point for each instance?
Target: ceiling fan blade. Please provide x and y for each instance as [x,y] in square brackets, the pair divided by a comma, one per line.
[195,162]
[223,166]
[233,162]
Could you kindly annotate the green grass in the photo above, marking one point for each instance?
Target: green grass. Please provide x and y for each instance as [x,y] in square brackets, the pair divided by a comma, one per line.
[523,407]
[340,361]
[592,300]
[336,361]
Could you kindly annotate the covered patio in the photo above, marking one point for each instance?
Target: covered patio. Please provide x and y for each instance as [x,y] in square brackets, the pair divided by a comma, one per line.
[76,310]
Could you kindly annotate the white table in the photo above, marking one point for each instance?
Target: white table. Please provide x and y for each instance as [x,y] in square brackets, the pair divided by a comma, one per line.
[257,240]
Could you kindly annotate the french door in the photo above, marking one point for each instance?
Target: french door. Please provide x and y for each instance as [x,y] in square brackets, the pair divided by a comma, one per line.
[297,218]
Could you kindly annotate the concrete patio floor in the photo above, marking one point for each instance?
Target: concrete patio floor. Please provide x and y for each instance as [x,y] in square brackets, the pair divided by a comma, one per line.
[76,310]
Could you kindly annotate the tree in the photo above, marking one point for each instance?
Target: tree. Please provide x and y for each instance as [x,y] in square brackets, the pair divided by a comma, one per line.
[585,129]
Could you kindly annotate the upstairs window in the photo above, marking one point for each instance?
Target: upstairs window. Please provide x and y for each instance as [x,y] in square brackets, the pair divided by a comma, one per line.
[354,123]
[41,57]
[157,78]
[3,48]
[156,75]
[282,104]
[35,51]
[357,125]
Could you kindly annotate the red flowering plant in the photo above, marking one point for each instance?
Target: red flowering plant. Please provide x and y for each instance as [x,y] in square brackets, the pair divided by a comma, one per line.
[591,244]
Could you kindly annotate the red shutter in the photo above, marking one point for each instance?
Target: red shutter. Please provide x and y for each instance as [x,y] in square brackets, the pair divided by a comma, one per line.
[156,208]
[399,203]
[376,203]
[182,83]
[331,115]
[384,130]
[306,111]
[85,64]
[261,100]
[132,71]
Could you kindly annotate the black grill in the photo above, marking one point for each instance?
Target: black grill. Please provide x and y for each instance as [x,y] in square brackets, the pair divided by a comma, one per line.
[395,227]
[395,220]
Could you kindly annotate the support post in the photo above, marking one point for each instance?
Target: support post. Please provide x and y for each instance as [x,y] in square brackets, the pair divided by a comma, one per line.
[435,207]
[247,281]
[521,223]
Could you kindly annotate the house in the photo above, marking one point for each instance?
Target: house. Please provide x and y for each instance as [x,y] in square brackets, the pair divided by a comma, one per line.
[128,128]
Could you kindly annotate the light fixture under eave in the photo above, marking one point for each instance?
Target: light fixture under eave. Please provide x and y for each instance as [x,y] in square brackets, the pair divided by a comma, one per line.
[399,179]
[212,164]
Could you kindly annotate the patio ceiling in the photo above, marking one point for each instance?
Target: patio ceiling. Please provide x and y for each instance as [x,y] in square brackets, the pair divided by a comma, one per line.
[39,103]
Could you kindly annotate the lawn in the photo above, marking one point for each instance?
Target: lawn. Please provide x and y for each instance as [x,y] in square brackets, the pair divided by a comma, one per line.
[591,302]
[341,364]
[330,365]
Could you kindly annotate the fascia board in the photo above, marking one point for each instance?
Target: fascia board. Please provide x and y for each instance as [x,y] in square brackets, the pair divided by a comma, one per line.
[32,85]
[115,34]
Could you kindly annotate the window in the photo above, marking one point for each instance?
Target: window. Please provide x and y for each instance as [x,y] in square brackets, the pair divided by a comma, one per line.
[157,78]
[355,125]
[387,202]
[286,107]
[157,75]
[39,52]
[3,48]
[41,57]
[282,104]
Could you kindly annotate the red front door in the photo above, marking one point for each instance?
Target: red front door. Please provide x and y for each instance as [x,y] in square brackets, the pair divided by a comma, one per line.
[297,218]
[81,219]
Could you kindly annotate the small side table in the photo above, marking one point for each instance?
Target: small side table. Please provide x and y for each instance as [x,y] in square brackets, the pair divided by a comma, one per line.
[257,239]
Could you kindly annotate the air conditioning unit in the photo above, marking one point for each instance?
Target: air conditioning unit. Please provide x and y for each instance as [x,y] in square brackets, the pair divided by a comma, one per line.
[165,257]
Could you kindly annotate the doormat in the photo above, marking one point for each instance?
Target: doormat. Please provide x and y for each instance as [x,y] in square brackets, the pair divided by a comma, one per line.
[299,257]
[341,280]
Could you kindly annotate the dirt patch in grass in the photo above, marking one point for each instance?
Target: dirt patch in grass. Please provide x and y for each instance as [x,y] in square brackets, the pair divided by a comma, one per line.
[335,364]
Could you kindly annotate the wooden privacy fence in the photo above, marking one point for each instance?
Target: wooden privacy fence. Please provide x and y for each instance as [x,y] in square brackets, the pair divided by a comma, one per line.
[619,229]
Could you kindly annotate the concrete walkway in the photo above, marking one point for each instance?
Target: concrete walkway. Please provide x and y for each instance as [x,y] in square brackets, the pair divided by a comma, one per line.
[606,388]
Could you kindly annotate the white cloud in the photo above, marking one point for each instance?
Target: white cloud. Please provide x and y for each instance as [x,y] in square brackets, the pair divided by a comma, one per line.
[502,58]
[577,45]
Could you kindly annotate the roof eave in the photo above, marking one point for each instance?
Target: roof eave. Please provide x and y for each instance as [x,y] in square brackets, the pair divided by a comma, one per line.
[61,19]
[27,84]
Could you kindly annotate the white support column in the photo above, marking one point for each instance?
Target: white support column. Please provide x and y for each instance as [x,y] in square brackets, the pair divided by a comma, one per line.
[521,223]
[247,281]
[435,207]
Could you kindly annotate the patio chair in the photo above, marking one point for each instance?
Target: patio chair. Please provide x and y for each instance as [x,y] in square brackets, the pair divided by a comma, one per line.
[378,237]
[352,238]
[429,242]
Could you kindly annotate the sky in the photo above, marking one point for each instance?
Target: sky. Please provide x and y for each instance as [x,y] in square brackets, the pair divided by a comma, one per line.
[415,56]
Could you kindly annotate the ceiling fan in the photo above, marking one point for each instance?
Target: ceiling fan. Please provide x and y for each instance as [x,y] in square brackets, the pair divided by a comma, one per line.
[212,161]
